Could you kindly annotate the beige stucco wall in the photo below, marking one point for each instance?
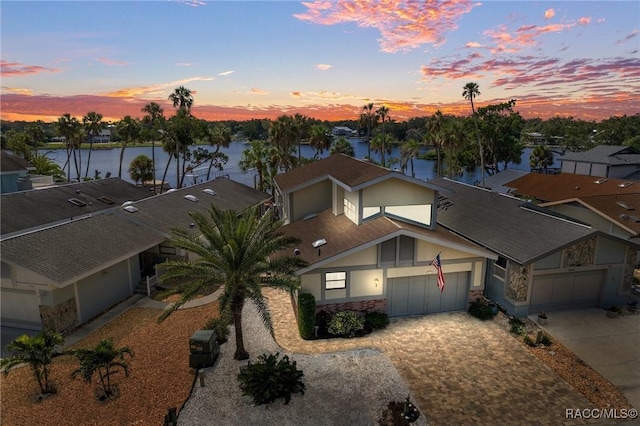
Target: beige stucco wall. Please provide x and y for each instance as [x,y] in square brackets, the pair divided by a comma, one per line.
[592,218]
[368,256]
[353,198]
[427,251]
[312,199]
[363,283]
[427,270]
[338,199]
[396,192]
[311,283]
[25,278]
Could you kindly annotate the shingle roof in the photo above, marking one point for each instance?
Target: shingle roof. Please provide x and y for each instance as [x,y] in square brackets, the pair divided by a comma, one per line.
[13,163]
[350,171]
[605,154]
[343,236]
[66,253]
[504,225]
[25,210]
[567,185]
[497,182]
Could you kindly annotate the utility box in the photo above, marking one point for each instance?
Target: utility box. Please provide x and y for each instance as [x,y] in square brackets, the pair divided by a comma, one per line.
[204,349]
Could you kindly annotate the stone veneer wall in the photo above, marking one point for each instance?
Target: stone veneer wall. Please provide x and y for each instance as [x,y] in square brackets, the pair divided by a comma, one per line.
[517,281]
[630,264]
[581,254]
[363,305]
[61,317]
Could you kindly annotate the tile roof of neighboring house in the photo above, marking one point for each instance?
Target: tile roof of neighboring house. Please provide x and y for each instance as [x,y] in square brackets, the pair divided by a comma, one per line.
[31,209]
[74,250]
[605,154]
[13,163]
[611,208]
[567,185]
[344,237]
[497,182]
[505,224]
[171,209]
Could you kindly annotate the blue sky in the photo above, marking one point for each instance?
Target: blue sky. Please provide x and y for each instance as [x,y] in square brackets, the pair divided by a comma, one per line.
[323,59]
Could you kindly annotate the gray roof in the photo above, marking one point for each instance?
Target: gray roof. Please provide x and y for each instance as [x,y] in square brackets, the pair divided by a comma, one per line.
[605,154]
[507,225]
[13,163]
[27,210]
[68,252]
[75,249]
[497,182]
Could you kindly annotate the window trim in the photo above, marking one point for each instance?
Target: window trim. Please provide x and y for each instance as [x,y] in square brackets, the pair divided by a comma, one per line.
[335,279]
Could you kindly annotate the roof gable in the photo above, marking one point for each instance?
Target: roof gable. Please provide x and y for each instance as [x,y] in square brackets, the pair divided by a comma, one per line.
[13,163]
[605,154]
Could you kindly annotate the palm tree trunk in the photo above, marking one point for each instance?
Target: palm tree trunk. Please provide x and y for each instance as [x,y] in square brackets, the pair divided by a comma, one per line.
[153,163]
[241,353]
[369,140]
[164,175]
[413,173]
[121,158]
[439,171]
[86,173]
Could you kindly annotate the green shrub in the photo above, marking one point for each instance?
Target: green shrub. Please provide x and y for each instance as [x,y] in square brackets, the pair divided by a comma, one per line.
[221,326]
[528,340]
[306,314]
[481,309]
[376,320]
[271,378]
[346,324]
[517,326]
[545,339]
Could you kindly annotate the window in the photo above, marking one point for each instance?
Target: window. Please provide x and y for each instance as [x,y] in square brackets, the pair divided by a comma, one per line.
[350,211]
[335,280]
[499,268]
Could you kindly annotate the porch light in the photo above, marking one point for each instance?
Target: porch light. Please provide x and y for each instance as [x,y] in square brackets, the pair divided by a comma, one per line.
[376,282]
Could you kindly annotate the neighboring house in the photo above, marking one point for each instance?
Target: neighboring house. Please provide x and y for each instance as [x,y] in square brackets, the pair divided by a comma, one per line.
[369,235]
[607,204]
[60,275]
[343,131]
[13,170]
[498,181]
[546,261]
[103,137]
[603,161]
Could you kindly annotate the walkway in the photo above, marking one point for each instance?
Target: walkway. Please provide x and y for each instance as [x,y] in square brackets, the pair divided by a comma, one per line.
[460,370]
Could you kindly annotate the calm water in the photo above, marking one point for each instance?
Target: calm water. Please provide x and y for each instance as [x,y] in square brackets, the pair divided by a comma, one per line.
[106,161]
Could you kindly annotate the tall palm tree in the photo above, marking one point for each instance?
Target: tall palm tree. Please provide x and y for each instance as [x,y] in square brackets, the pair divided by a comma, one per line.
[408,152]
[36,135]
[129,130]
[369,116]
[470,91]
[105,359]
[219,136]
[38,352]
[383,114]
[283,136]
[301,124]
[435,137]
[452,135]
[182,98]
[257,158]
[235,251]
[154,119]
[68,128]
[92,125]
[319,139]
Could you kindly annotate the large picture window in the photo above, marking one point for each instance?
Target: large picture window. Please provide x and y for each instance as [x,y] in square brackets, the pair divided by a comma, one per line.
[334,280]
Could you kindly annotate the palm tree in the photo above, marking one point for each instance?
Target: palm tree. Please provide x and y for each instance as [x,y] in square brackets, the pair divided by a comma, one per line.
[369,115]
[409,151]
[256,158]
[68,128]
[141,169]
[435,137]
[154,120]
[182,98]
[283,136]
[235,251]
[105,359]
[93,125]
[541,157]
[343,146]
[129,130]
[219,136]
[38,352]
[169,145]
[383,114]
[47,167]
[452,134]
[470,91]
[319,139]
[301,124]
[36,135]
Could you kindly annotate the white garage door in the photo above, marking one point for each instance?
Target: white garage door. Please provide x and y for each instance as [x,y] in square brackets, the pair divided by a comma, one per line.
[421,295]
[20,309]
[566,291]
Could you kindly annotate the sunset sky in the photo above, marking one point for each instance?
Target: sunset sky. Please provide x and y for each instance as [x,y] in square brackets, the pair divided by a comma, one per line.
[323,59]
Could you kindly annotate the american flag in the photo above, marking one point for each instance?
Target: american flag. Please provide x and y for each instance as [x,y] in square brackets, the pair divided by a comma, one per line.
[438,265]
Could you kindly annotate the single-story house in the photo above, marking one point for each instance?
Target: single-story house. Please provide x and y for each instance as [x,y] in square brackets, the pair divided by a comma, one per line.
[603,160]
[61,275]
[545,260]
[13,169]
[369,235]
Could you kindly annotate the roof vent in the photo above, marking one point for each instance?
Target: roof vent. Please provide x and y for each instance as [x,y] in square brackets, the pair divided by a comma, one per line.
[600,181]
[130,209]
[106,200]
[634,218]
[318,243]
[77,202]
[624,205]
[171,190]
[191,198]
[127,203]
[625,184]
[209,191]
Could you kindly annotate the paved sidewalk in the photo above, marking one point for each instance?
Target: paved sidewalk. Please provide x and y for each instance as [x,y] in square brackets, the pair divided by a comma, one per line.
[460,370]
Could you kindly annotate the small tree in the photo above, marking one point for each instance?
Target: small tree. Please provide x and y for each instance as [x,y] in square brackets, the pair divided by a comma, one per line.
[141,169]
[104,359]
[38,351]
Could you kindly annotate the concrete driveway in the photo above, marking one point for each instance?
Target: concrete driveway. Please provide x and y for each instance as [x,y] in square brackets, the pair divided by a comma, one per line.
[609,346]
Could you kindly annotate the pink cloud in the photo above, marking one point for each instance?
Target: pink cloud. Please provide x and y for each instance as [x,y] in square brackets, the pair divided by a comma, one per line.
[323,67]
[549,13]
[111,62]
[184,64]
[17,69]
[403,25]
[256,91]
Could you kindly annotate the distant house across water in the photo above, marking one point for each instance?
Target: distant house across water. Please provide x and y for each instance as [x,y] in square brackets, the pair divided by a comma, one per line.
[343,131]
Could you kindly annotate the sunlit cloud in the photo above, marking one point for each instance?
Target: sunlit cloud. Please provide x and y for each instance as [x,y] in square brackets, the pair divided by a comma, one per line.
[549,13]
[225,73]
[296,94]
[17,69]
[154,90]
[473,45]
[17,90]
[184,64]
[403,25]
[111,62]
[192,3]
[256,91]
[323,67]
